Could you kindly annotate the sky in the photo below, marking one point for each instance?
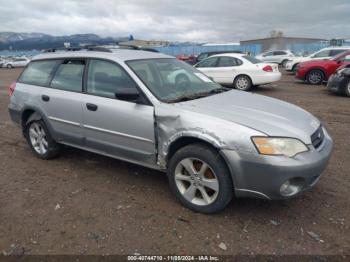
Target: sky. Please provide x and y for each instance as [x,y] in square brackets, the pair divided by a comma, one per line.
[179,20]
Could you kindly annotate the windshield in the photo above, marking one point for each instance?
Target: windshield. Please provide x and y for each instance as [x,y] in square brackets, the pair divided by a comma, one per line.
[171,80]
[252,59]
[344,54]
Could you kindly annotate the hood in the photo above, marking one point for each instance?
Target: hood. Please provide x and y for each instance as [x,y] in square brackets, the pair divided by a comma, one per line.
[268,115]
[320,62]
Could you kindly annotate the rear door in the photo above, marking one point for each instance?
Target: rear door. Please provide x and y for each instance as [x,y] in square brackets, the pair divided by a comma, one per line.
[123,129]
[227,69]
[208,66]
[62,102]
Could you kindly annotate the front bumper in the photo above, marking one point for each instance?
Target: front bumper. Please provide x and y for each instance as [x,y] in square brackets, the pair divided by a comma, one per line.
[260,176]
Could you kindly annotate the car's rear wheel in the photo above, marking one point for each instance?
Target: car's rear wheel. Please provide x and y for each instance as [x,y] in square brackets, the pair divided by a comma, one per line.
[347,89]
[40,140]
[284,62]
[315,77]
[243,83]
[199,178]
[9,66]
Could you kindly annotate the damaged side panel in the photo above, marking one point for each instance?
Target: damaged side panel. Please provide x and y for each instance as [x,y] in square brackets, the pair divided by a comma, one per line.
[173,123]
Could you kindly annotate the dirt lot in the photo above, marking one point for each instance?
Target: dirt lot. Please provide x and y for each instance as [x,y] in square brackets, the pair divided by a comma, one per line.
[82,203]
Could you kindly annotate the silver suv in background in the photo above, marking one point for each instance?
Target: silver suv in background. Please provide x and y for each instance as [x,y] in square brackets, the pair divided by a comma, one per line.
[278,56]
[213,142]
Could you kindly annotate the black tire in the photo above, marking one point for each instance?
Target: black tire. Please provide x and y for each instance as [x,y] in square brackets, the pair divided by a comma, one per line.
[9,66]
[284,62]
[245,79]
[52,149]
[347,89]
[217,165]
[315,77]
[294,68]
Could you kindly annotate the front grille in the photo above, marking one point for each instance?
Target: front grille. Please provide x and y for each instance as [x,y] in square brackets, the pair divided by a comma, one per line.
[317,137]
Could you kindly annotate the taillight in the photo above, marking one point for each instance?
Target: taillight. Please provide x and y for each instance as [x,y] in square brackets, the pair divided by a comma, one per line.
[12,88]
[268,68]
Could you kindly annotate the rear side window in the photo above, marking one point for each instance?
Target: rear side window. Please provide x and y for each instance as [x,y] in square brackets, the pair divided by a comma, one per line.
[279,53]
[69,76]
[209,62]
[38,73]
[324,53]
[225,61]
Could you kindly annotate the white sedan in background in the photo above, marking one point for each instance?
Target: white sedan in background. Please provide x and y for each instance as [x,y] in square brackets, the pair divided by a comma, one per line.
[239,70]
[17,62]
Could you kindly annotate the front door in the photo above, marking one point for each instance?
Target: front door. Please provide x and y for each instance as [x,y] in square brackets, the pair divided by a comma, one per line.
[123,129]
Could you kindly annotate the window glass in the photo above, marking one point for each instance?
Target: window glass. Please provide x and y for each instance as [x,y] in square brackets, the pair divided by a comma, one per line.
[346,58]
[268,54]
[252,59]
[105,78]
[226,61]
[171,79]
[202,56]
[279,53]
[210,62]
[38,72]
[69,76]
[324,53]
[336,52]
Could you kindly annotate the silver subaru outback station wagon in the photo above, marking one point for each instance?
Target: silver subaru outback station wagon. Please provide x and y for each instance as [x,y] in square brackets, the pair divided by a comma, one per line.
[153,110]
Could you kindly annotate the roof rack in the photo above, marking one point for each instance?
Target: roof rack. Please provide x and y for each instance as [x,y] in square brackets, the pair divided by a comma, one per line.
[85,48]
[99,48]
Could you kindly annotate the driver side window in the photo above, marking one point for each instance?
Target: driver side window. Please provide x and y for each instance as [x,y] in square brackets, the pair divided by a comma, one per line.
[324,53]
[105,78]
[210,62]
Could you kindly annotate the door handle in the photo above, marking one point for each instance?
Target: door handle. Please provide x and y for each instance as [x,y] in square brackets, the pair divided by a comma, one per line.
[91,107]
[45,98]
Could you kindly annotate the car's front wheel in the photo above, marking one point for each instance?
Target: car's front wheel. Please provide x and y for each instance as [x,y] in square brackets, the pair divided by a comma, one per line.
[199,178]
[243,83]
[9,66]
[315,77]
[40,140]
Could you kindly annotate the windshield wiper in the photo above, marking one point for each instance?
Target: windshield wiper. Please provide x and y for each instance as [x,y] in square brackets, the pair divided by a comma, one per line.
[198,95]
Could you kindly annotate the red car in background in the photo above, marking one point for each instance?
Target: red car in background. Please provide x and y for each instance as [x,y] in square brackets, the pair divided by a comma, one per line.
[316,71]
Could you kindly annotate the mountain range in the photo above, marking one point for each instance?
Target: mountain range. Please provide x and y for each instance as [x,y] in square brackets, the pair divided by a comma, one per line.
[39,41]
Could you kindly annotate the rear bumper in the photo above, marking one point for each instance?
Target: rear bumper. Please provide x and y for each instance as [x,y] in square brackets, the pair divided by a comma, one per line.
[259,176]
[267,78]
[15,115]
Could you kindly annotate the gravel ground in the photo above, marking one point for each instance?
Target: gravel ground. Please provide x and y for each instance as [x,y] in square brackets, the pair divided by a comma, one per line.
[83,203]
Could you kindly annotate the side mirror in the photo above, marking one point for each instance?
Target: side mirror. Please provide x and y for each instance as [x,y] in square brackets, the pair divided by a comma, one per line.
[339,61]
[127,94]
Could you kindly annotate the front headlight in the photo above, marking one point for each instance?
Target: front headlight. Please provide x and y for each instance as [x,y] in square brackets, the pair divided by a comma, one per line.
[279,146]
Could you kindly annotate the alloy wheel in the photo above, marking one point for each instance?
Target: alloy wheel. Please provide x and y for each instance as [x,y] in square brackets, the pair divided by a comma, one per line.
[315,77]
[38,138]
[196,181]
